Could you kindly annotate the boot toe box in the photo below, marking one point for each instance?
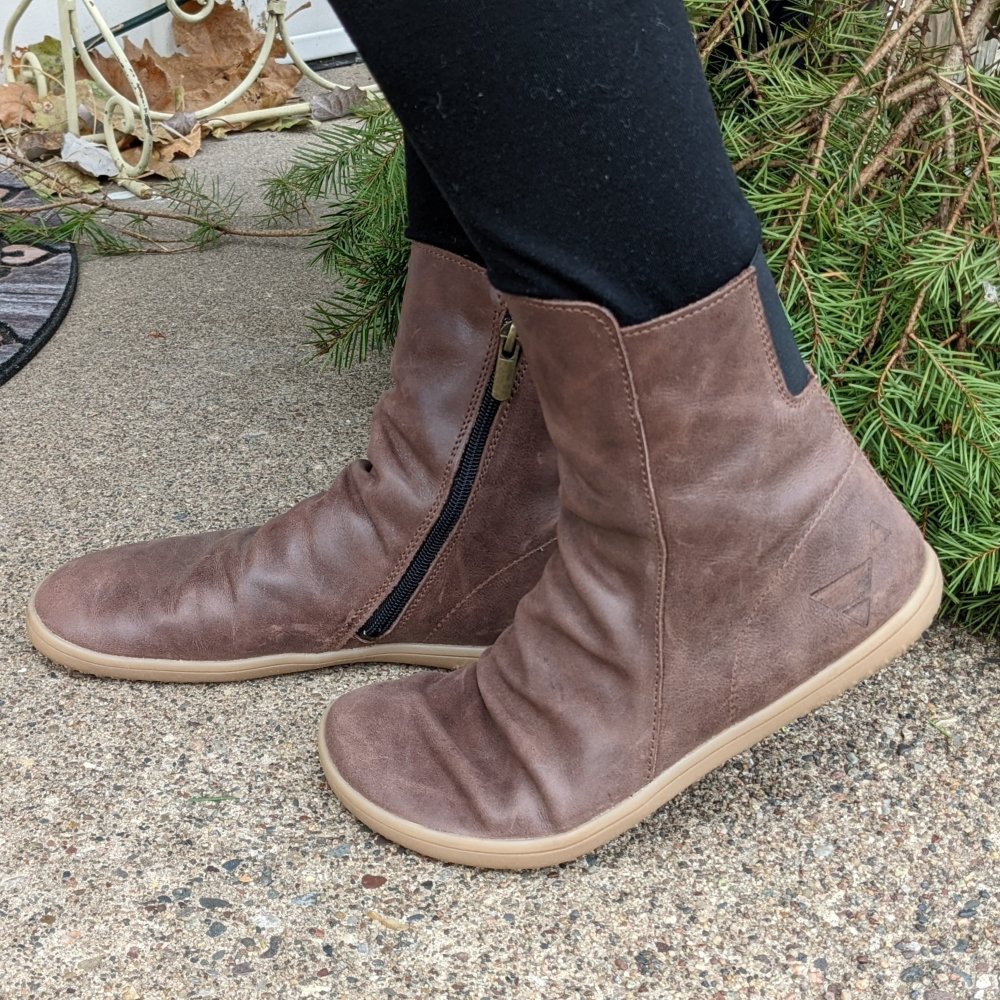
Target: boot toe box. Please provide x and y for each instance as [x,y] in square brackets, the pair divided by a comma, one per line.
[361,736]
[382,746]
[113,601]
[422,750]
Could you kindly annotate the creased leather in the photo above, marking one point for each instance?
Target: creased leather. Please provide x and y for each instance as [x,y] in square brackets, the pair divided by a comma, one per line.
[713,552]
[517,487]
[306,580]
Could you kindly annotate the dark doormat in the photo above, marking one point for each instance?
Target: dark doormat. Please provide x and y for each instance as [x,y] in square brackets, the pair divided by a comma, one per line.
[36,286]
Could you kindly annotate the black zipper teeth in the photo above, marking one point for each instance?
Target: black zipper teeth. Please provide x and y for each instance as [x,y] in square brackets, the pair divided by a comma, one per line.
[385,615]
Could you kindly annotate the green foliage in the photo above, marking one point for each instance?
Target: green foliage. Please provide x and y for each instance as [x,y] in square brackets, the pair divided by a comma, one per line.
[358,168]
[871,158]
[198,215]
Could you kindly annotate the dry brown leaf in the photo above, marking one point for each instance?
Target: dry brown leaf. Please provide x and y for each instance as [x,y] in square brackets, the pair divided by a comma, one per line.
[224,39]
[39,145]
[170,144]
[282,124]
[182,123]
[161,168]
[157,166]
[216,55]
[50,113]
[88,156]
[60,178]
[48,52]
[16,100]
[336,103]
[161,92]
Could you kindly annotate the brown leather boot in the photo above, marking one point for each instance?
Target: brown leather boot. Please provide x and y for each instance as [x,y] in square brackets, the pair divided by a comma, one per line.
[727,561]
[417,555]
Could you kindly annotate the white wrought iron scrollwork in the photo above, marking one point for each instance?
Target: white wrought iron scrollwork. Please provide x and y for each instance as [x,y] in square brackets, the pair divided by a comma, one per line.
[30,68]
[207,6]
[133,115]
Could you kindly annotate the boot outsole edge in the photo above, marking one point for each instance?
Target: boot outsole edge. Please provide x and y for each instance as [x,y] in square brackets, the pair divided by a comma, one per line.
[90,661]
[900,632]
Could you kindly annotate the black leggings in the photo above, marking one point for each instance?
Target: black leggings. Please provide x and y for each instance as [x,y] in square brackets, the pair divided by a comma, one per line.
[572,147]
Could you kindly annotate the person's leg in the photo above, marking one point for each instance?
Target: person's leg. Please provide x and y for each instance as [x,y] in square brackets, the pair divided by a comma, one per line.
[726,558]
[577,147]
[577,144]
[429,219]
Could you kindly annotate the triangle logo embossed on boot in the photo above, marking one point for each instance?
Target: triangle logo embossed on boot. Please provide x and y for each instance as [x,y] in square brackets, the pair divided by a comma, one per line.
[850,594]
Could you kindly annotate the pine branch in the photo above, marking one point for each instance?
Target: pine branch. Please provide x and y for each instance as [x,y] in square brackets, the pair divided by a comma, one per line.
[206,214]
[359,168]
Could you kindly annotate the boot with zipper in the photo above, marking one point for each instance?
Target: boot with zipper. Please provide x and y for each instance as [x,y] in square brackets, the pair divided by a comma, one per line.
[418,554]
[727,561]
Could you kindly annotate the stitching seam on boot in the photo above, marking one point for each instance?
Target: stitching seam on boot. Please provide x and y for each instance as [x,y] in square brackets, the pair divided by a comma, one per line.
[548,543]
[609,325]
[662,323]
[657,523]
[451,258]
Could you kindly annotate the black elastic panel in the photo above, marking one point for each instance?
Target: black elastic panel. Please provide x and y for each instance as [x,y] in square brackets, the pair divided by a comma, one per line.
[792,366]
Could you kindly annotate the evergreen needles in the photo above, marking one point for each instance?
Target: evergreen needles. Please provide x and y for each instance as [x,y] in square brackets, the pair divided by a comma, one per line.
[870,158]
[194,215]
[358,168]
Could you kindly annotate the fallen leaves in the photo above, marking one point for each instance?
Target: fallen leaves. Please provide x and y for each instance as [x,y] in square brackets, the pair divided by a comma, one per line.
[216,55]
[87,156]
[62,179]
[39,145]
[48,52]
[168,144]
[17,104]
[50,114]
[336,103]
[214,58]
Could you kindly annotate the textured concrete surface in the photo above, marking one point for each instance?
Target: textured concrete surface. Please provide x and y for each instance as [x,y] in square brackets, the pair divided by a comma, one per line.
[180,842]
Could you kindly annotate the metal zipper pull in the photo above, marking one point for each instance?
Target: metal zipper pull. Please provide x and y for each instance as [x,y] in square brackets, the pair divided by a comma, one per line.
[507,359]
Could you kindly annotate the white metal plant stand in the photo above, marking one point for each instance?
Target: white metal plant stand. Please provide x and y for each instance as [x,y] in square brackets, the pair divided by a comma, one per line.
[123,113]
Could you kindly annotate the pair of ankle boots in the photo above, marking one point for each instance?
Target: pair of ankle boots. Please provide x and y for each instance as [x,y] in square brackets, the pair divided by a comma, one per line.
[644,552]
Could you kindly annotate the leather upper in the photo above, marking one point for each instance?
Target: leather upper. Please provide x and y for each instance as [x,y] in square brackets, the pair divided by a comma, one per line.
[305,581]
[719,541]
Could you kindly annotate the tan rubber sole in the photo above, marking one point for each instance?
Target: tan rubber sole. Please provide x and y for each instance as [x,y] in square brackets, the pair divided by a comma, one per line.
[90,661]
[883,646]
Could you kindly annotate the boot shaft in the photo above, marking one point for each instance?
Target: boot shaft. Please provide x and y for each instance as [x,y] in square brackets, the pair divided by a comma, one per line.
[735,514]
